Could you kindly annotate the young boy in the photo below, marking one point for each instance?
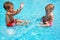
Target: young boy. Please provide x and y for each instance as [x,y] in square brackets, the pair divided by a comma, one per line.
[10,21]
[48,18]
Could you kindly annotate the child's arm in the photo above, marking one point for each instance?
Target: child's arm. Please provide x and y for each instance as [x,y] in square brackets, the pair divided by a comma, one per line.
[21,7]
[52,18]
[17,11]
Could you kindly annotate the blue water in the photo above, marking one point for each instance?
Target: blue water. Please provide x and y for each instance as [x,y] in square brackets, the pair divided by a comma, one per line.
[33,10]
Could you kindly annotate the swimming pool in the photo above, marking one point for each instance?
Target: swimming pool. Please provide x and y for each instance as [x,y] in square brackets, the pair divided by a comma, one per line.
[33,11]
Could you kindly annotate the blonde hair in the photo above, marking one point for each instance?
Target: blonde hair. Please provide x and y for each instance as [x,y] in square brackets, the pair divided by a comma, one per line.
[51,6]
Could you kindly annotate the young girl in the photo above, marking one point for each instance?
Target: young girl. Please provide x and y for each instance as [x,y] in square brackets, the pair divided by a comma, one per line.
[48,18]
[10,21]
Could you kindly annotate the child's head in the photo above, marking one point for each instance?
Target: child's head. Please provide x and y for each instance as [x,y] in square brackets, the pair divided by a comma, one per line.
[8,6]
[49,8]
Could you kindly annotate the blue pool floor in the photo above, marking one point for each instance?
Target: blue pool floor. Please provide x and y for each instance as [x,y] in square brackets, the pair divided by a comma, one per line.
[33,10]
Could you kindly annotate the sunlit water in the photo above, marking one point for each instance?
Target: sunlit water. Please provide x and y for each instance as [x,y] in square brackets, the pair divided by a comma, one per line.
[33,10]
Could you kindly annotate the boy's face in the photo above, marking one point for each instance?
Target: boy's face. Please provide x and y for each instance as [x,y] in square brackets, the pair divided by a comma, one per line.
[11,8]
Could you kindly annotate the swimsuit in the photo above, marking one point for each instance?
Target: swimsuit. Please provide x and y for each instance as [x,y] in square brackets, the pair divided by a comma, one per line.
[12,23]
[50,24]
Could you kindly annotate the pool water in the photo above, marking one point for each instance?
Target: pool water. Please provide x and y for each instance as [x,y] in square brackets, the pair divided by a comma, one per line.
[33,10]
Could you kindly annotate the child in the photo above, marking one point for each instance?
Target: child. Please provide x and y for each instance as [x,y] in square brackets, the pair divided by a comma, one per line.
[10,21]
[48,18]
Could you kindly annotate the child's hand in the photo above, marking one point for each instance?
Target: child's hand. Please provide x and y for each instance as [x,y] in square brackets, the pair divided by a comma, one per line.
[22,5]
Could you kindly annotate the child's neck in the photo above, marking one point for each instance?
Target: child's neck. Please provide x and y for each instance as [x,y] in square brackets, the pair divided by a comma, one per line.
[48,13]
[10,11]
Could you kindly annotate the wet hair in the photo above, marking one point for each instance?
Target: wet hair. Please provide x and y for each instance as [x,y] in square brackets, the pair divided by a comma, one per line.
[7,5]
[44,20]
[51,6]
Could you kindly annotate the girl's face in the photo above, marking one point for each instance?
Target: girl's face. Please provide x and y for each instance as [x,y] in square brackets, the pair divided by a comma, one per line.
[49,9]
